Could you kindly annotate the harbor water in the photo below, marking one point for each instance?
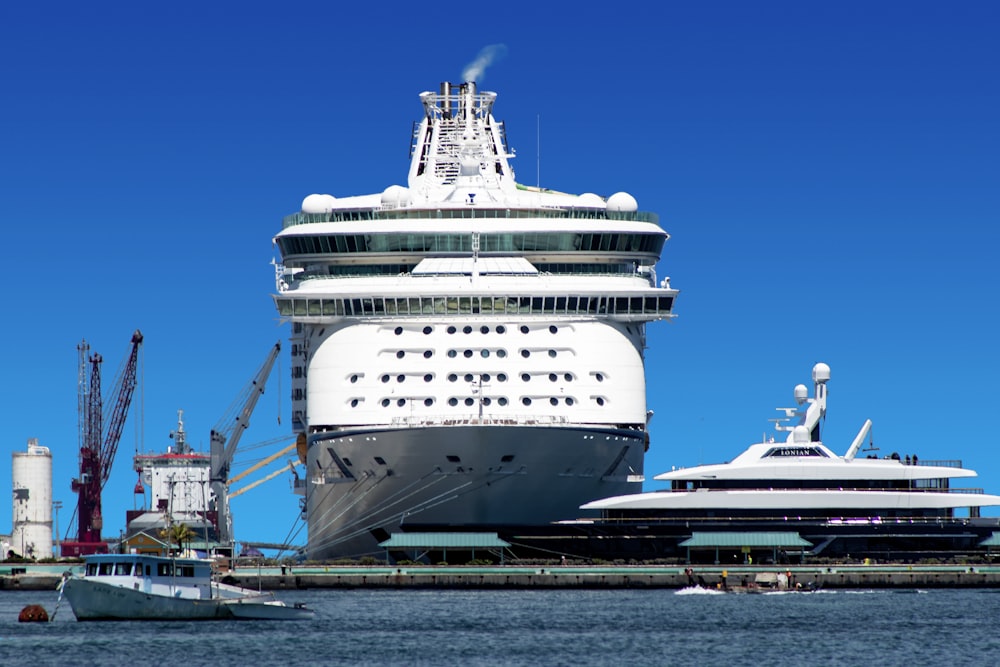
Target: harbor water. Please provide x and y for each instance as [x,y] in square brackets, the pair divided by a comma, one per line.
[537,627]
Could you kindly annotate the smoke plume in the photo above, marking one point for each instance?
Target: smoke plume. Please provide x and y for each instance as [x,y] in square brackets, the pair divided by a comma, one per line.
[476,70]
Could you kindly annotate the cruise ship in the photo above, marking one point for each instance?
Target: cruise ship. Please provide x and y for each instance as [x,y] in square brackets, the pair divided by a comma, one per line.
[467,351]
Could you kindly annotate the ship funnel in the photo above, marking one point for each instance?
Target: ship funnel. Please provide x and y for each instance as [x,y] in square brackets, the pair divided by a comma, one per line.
[445,103]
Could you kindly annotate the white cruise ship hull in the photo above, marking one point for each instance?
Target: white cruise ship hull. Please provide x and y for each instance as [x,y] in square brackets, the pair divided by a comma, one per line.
[472,476]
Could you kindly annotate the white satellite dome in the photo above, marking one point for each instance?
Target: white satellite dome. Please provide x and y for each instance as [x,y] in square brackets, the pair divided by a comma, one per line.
[821,372]
[622,202]
[318,203]
[590,200]
[395,196]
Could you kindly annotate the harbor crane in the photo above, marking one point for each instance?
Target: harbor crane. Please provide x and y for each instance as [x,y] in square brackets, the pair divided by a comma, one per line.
[99,437]
[226,437]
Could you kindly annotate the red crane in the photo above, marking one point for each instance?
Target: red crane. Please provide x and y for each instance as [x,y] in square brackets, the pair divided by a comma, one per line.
[97,446]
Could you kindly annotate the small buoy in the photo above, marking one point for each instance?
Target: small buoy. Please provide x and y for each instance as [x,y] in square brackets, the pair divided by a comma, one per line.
[33,613]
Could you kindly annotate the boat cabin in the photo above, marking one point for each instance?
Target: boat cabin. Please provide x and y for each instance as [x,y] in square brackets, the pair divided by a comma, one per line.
[156,575]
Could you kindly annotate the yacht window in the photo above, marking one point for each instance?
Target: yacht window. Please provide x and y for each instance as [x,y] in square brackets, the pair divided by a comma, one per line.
[123,569]
[104,569]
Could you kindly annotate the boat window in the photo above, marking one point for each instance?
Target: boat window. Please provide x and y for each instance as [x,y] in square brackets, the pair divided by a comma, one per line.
[794,451]
[123,569]
[91,569]
[104,568]
[185,570]
[164,569]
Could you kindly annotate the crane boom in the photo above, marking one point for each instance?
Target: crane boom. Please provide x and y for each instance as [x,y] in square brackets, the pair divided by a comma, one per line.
[226,437]
[96,458]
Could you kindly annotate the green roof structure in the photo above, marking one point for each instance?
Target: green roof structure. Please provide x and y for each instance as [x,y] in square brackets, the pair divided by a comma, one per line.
[456,541]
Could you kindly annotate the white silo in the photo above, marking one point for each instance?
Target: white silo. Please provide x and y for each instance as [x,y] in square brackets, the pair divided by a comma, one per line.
[32,481]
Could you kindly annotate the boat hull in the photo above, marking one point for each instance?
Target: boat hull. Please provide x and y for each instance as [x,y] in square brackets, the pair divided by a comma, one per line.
[473,477]
[99,601]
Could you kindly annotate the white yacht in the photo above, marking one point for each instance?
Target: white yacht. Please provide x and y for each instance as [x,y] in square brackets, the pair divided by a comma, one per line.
[467,351]
[801,479]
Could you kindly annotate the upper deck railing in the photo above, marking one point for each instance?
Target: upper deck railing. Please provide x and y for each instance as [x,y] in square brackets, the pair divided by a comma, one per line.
[469,213]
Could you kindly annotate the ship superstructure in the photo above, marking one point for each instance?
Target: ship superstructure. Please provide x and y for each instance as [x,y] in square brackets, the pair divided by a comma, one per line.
[466,351]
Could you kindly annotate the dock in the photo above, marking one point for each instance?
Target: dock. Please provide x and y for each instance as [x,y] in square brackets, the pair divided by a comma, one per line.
[47,577]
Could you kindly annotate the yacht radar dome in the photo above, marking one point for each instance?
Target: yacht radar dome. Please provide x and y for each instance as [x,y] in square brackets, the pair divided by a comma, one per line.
[821,373]
[801,393]
[800,434]
[590,200]
[622,202]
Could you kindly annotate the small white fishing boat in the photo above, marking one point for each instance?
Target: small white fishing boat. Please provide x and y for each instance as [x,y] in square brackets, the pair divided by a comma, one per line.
[145,587]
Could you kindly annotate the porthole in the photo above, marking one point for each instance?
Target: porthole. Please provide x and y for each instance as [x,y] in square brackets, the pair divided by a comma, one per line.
[487,401]
[385,402]
[354,378]
[553,329]
[502,377]
[552,353]
[469,401]
[400,378]
[569,400]
[467,329]
[379,460]
[524,328]
[484,330]
[599,377]
[554,401]
[486,377]
[452,330]
[525,377]
[484,353]
[452,354]
[600,401]
[553,377]
[467,353]
[501,329]
[501,353]
[506,458]
[428,402]
[525,353]
[354,402]
[384,378]
[502,401]
[428,377]
[400,354]
[398,331]
[568,377]
[526,401]
[452,401]
[428,354]
[427,330]
[452,377]
[401,402]
[469,377]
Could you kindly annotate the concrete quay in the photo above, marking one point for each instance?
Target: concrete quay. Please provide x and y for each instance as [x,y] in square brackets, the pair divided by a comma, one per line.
[611,577]
[563,577]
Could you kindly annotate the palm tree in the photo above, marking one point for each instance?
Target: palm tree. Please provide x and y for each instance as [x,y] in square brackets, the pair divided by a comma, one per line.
[178,534]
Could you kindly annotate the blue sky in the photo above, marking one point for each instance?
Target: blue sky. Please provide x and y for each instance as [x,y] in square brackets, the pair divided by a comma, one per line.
[828,173]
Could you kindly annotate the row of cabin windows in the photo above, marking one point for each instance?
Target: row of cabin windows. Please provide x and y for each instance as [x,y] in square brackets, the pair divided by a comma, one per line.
[507,243]
[298,394]
[469,401]
[484,377]
[658,306]
[468,329]
[125,569]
